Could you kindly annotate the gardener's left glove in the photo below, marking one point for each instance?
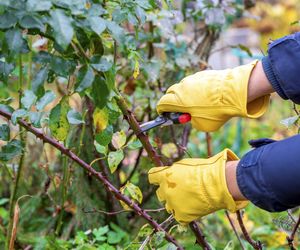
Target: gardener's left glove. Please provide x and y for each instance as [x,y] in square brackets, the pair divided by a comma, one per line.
[192,188]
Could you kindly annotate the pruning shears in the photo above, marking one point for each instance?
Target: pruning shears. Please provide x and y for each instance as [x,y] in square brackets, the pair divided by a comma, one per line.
[166,119]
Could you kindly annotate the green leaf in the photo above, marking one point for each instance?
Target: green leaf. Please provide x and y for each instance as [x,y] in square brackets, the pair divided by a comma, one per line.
[14,40]
[3,201]
[134,144]
[10,150]
[110,77]
[32,22]
[98,233]
[116,31]
[6,108]
[38,81]
[5,70]
[7,20]
[97,24]
[100,92]
[74,117]
[19,113]
[134,192]
[158,238]
[114,158]
[4,132]
[80,238]
[101,64]
[38,5]
[288,122]
[62,26]
[113,237]
[144,4]
[229,246]
[119,139]
[61,66]
[104,137]
[168,246]
[106,246]
[100,148]
[5,3]
[35,118]
[58,122]
[47,98]
[85,78]
[28,99]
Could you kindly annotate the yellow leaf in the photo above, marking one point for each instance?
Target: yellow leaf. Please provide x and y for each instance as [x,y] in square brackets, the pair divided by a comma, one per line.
[100,117]
[119,139]
[136,69]
[169,150]
[133,192]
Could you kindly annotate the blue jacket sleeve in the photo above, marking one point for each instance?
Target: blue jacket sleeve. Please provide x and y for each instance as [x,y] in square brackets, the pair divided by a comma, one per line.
[282,66]
[269,175]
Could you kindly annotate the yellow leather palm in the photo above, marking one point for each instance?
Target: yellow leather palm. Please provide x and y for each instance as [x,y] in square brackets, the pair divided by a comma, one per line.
[192,188]
[212,97]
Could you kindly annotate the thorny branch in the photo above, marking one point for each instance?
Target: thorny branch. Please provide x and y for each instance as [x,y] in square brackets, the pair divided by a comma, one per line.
[93,172]
[200,236]
[290,238]
[255,244]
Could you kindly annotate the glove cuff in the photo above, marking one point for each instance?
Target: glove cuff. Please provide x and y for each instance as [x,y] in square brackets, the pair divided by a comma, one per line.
[226,200]
[255,108]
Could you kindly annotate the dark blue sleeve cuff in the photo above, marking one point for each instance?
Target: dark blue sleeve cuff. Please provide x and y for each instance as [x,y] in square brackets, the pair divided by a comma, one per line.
[282,65]
[267,66]
[269,175]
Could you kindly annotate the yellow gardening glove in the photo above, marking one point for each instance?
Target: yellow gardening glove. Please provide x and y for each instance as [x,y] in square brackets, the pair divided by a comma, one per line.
[192,188]
[212,97]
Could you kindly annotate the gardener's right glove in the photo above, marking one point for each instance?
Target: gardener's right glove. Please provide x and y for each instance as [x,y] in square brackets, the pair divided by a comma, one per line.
[212,97]
[192,188]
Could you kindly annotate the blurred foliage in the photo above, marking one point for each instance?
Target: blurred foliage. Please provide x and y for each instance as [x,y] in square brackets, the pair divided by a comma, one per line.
[61,65]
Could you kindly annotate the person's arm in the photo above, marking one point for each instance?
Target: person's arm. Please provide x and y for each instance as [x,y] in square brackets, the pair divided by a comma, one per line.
[258,84]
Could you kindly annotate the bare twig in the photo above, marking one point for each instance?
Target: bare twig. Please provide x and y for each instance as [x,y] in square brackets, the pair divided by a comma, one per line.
[94,210]
[291,216]
[234,230]
[208,144]
[137,161]
[290,238]
[94,173]
[255,244]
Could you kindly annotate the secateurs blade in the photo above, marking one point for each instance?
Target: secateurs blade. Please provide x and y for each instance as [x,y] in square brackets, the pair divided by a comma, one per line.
[166,119]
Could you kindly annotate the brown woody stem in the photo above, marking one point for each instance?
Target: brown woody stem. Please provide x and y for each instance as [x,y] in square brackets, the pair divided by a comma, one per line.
[234,229]
[290,238]
[200,238]
[93,172]
[255,244]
